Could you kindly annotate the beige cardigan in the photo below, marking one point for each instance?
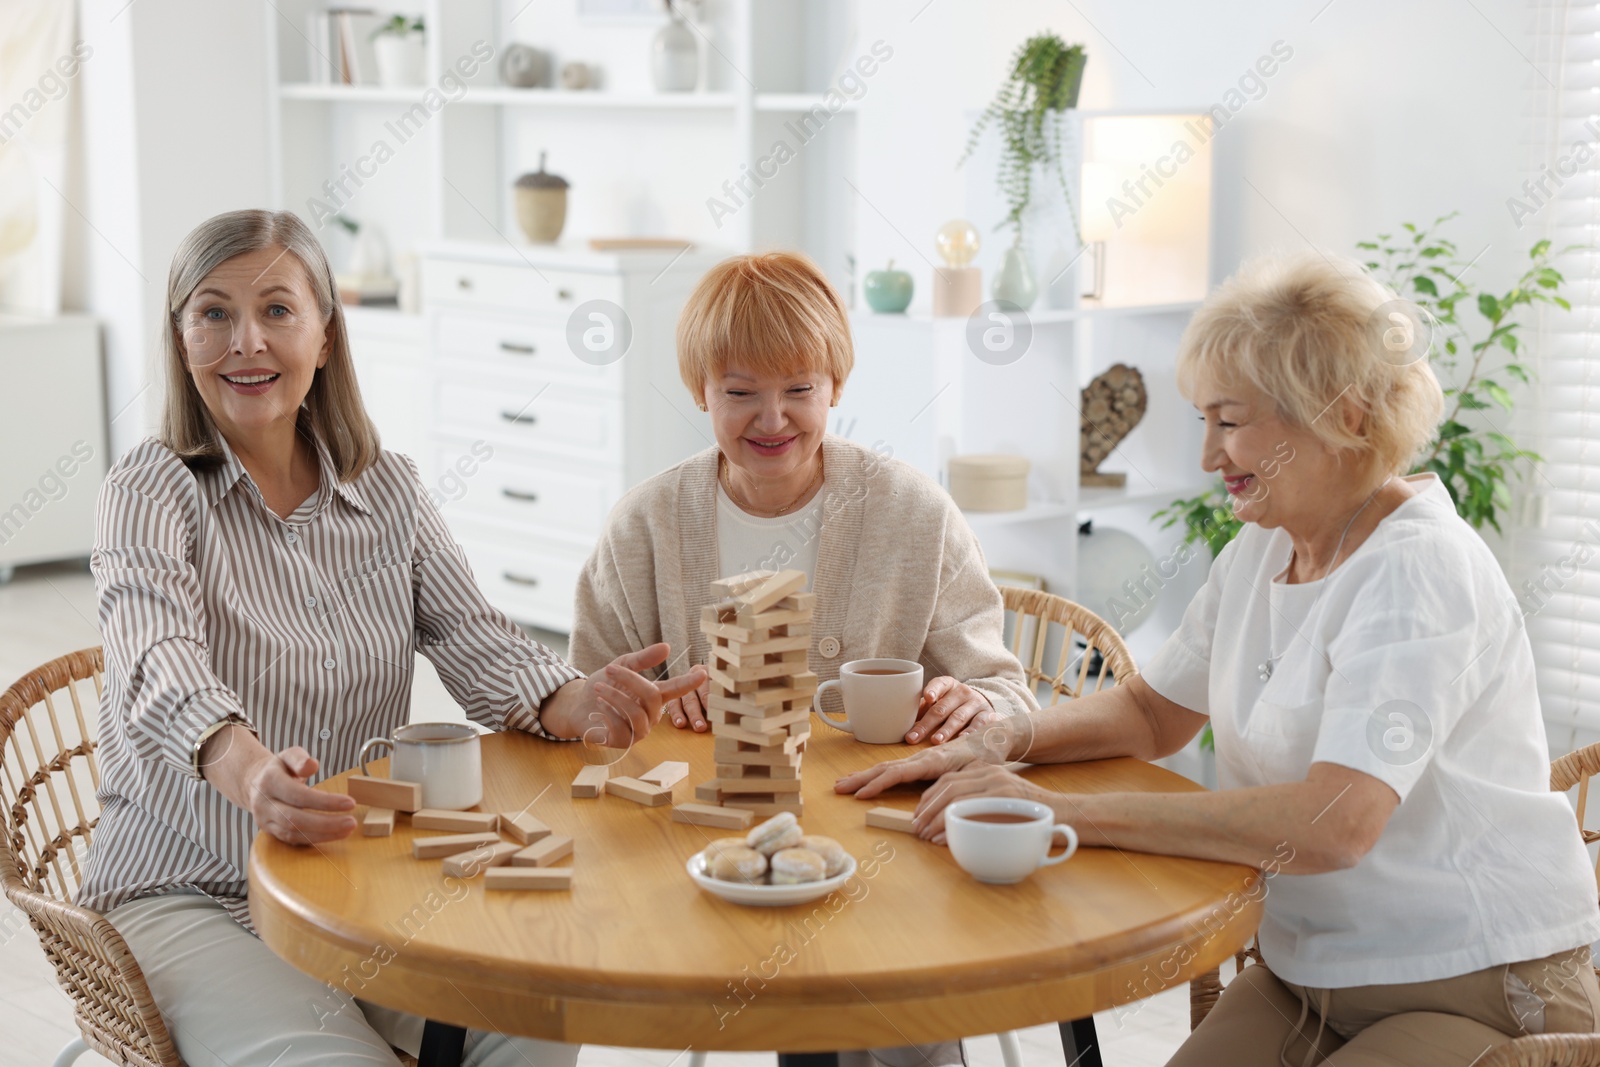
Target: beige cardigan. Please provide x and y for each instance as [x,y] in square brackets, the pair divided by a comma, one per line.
[899,574]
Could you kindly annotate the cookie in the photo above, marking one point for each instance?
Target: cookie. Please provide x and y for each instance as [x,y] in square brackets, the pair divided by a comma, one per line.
[779,832]
[834,857]
[791,866]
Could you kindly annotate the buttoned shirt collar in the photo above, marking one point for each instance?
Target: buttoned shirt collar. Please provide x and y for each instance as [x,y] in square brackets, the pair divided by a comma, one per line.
[221,480]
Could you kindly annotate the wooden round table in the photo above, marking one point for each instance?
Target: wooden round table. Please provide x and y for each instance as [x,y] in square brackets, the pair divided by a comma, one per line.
[913,950]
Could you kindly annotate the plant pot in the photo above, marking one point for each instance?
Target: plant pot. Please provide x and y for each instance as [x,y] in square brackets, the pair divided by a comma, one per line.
[399,60]
[675,58]
[1066,95]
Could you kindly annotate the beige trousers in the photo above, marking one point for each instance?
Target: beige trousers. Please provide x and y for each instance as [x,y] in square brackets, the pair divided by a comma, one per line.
[1262,1021]
[229,1001]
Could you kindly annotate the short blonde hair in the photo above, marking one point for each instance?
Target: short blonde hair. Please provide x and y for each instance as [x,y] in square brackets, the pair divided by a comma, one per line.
[332,407]
[772,313]
[1306,331]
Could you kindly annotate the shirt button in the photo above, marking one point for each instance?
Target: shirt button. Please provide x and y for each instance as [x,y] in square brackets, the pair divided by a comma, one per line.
[325,734]
[329,663]
[828,647]
[311,601]
[291,537]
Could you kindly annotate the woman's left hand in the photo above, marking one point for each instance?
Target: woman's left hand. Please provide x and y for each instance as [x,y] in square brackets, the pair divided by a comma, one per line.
[973,780]
[949,709]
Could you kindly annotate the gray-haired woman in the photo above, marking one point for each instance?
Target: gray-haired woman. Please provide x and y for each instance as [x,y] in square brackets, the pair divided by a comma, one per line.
[266,575]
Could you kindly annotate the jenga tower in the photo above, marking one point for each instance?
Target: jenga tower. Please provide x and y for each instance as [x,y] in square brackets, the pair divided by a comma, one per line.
[761,689]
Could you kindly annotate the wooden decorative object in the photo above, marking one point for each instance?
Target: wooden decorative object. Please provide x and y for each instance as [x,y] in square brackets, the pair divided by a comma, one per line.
[713,815]
[463,822]
[1112,406]
[667,774]
[528,878]
[761,689]
[524,828]
[388,793]
[544,852]
[891,819]
[435,848]
[473,863]
[651,796]
[591,781]
[377,822]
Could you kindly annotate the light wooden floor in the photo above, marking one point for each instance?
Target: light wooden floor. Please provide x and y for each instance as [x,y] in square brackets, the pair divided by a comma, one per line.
[47,611]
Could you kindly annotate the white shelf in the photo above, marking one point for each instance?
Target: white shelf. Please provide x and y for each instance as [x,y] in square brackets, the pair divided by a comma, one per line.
[796,102]
[1099,498]
[1040,317]
[362,94]
[598,99]
[1036,511]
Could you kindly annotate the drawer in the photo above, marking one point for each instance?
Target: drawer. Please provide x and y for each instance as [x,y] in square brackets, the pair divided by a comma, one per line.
[533,494]
[519,345]
[538,291]
[549,417]
[529,579]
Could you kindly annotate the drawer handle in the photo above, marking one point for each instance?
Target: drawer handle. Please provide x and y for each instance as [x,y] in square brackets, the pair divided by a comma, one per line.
[519,579]
[520,494]
[463,283]
[519,418]
[518,348]
[563,294]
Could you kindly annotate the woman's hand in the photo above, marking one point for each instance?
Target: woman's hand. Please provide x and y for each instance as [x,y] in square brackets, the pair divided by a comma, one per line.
[690,709]
[617,706]
[988,746]
[949,709]
[974,780]
[276,793]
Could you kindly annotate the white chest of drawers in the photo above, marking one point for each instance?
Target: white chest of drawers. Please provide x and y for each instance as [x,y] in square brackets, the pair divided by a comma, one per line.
[535,428]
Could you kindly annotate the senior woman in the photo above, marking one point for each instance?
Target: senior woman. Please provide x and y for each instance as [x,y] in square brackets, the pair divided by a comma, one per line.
[266,574]
[764,346]
[1378,736]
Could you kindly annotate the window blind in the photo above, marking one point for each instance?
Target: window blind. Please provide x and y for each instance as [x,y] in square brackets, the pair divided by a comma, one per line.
[1555,550]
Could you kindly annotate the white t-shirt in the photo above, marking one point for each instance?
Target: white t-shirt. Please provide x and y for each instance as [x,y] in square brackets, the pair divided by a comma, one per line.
[1408,663]
[747,542]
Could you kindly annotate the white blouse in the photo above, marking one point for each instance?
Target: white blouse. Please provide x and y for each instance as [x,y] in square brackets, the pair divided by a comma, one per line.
[1408,663]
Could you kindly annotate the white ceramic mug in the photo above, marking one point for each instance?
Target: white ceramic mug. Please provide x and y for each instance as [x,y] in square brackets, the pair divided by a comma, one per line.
[881,698]
[444,758]
[1004,852]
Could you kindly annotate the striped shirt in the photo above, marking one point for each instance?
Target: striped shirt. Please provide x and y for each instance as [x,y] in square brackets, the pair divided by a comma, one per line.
[306,628]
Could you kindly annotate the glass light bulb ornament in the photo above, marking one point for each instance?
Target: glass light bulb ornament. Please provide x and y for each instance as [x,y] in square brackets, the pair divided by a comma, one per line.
[957,242]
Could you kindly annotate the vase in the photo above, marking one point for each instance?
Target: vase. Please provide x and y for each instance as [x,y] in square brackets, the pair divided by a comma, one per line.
[399,60]
[1014,282]
[675,57]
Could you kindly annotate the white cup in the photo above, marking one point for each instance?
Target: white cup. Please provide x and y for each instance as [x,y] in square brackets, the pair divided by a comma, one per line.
[1003,853]
[444,758]
[881,697]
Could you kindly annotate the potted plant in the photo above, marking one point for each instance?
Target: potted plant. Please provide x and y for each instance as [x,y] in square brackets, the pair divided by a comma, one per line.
[1475,462]
[1043,82]
[397,46]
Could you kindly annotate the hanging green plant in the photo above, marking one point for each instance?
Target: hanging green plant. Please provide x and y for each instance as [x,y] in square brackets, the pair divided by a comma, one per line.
[1045,76]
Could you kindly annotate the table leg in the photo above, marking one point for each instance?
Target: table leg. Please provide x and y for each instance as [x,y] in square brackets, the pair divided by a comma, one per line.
[442,1045]
[808,1059]
[1080,1043]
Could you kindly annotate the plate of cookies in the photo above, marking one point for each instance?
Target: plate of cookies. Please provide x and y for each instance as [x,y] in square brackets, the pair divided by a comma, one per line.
[775,864]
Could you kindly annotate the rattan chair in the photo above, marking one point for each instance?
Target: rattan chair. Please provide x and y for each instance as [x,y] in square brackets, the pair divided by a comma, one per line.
[48,779]
[1042,628]
[1538,1050]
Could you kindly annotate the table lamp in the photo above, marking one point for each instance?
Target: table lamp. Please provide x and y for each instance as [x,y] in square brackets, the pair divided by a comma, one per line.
[1099,183]
[957,286]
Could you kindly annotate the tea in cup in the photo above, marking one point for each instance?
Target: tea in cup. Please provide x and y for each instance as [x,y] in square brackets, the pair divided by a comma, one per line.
[881,699]
[445,758]
[1002,840]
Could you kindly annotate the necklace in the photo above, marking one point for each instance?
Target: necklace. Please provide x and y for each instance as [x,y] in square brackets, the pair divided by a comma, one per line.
[726,477]
[1264,668]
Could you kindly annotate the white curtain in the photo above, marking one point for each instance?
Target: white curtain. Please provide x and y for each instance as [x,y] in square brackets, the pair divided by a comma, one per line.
[1556,551]
[38,68]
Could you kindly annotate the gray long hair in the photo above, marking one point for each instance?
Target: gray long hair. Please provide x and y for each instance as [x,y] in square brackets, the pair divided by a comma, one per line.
[333,405]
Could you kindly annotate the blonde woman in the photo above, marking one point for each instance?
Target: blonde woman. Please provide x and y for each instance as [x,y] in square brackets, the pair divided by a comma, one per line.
[266,575]
[1379,744]
[764,346]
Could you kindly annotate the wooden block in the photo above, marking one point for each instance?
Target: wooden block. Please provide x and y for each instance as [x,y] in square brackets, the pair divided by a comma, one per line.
[708,793]
[776,723]
[502,878]
[732,787]
[544,852]
[473,863]
[732,750]
[767,808]
[891,819]
[524,827]
[767,620]
[433,848]
[377,822]
[591,781]
[729,632]
[769,592]
[391,793]
[787,665]
[713,815]
[651,796]
[464,822]
[724,685]
[744,651]
[764,771]
[739,584]
[797,733]
[799,686]
[666,774]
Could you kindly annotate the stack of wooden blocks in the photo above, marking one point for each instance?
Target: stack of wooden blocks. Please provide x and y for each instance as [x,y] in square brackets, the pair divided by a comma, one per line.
[761,690]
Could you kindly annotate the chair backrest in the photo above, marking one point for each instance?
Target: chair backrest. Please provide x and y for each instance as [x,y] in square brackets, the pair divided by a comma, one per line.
[1056,641]
[1575,769]
[48,779]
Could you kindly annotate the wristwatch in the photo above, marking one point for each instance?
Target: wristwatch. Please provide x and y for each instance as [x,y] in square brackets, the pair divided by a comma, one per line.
[205,735]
